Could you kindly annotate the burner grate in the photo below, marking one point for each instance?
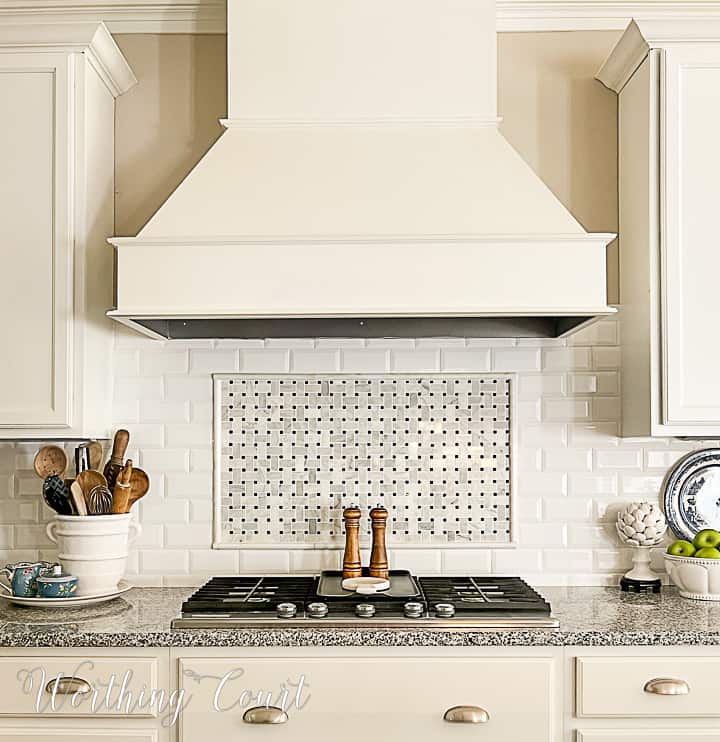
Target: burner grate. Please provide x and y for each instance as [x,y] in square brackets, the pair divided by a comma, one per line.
[484,594]
[248,594]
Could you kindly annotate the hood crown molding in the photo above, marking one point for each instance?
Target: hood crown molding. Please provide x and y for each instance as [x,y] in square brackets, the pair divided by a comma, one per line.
[642,35]
[92,39]
[209,16]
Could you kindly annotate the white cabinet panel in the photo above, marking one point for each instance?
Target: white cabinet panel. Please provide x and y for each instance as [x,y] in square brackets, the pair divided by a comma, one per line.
[359,699]
[84,734]
[691,261]
[36,258]
[57,85]
[648,735]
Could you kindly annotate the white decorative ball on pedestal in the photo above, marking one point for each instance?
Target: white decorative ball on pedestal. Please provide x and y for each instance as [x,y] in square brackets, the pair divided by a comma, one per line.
[641,525]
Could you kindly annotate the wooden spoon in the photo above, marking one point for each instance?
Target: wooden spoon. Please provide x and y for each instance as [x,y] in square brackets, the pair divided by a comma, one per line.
[49,461]
[113,467]
[139,486]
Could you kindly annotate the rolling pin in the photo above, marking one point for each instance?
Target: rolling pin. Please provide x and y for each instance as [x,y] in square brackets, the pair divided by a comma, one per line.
[121,490]
[378,556]
[352,566]
[113,467]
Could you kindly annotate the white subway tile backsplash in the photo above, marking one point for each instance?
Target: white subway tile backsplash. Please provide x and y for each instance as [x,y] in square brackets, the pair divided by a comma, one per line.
[555,410]
[315,361]
[592,484]
[516,359]
[568,459]
[562,509]
[162,510]
[181,435]
[192,485]
[213,361]
[266,361]
[606,358]
[618,459]
[164,412]
[365,361]
[131,388]
[414,361]
[567,414]
[467,561]
[466,359]
[165,362]
[260,561]
[187,388]
[516,561]
[164,460]
[564,359]
[164,561]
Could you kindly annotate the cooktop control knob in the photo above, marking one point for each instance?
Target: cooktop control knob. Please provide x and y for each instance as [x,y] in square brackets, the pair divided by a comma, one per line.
[444,610]
[286,610]
[413,609]
[317,610]
[364,610]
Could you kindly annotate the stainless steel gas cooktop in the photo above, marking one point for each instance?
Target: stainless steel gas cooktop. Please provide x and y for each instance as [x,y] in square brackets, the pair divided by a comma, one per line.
[410,603]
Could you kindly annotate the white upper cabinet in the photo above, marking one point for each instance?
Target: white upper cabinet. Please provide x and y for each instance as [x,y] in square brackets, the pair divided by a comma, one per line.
[58,86]
[668,81]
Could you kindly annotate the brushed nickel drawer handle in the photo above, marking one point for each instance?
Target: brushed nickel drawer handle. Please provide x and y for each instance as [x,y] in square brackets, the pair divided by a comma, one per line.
[667,687]
[467,715]
[265,715]
[68,686]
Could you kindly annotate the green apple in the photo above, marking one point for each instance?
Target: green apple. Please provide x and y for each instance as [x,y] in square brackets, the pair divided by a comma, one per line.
[707,553]
[707,539]
[681,548]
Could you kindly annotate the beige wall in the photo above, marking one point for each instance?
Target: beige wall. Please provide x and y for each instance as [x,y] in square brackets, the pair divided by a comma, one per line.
[556,115]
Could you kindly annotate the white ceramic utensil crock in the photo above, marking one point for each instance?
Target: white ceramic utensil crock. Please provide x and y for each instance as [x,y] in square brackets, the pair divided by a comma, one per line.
[94,548]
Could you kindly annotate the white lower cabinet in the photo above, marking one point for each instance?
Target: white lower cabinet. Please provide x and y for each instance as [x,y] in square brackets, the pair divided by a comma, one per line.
[355,699]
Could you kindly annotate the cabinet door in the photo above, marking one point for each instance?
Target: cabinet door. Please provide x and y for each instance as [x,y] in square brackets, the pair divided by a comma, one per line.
[35,244]
[374,698]
[81,734]
[648,735]
[690,258]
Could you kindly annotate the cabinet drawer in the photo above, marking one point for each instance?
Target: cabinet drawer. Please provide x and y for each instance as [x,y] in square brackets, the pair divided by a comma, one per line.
[648,735]
[357,699]
[34,734]
[615,686]
[25,685]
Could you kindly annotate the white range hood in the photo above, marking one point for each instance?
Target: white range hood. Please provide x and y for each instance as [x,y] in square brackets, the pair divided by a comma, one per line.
[362,188]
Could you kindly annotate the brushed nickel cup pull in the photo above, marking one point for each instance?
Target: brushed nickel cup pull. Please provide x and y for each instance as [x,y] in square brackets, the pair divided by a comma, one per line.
[667,687]
[265,715]
[467,715]
[68,686]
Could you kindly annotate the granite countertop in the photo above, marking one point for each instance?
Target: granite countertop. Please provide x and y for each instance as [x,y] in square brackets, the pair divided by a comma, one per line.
[589,616]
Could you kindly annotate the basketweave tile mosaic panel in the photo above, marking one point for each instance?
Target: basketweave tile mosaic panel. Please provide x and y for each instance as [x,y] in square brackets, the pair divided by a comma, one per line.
[293,450]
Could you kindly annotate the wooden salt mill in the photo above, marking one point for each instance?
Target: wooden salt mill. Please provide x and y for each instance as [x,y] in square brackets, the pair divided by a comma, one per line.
[352,566]
[378,556]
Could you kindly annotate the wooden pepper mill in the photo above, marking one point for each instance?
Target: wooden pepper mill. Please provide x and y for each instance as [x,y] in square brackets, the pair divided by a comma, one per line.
[352,566]
[378,556]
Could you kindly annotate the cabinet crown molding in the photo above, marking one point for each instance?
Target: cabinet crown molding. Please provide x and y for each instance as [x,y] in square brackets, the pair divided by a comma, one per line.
[209,16]
[92,39]
[642,35]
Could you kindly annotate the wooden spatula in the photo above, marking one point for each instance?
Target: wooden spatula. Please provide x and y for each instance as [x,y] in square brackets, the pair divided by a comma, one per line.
[78,499]
[139,486]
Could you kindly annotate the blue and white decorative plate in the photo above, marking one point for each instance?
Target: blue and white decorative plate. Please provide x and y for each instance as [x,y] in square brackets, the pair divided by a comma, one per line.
[691,498]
